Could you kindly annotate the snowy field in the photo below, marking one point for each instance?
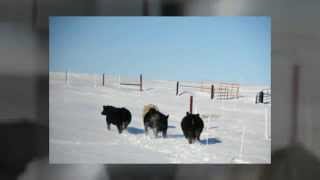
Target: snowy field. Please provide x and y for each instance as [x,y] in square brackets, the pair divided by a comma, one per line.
[78,132]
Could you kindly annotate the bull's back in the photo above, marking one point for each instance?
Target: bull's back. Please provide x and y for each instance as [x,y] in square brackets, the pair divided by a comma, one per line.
[186,124]
[125,114]
[200,124]
[114,115]
[147,108]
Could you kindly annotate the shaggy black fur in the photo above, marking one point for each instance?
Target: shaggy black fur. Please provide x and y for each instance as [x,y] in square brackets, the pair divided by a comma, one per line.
[192,126]
[157,121]
[121,117]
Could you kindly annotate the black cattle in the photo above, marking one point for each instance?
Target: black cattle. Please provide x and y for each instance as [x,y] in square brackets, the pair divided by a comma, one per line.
[192,126]
[121,117]
[157,121]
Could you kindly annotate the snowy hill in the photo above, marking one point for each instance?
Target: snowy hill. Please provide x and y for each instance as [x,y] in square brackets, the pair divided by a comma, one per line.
[78,132]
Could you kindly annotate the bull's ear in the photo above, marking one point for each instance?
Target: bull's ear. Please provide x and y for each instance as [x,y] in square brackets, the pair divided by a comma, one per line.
[198,115]
[187,113]
[167,116]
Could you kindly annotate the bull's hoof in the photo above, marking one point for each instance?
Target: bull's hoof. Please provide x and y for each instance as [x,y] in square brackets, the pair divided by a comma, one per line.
[164,136]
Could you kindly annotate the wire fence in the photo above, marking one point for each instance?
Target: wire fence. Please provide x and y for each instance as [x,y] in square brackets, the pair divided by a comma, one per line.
[215,90]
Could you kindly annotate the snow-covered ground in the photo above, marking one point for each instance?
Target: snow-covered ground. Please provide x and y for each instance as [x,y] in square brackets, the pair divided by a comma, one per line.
[78,132]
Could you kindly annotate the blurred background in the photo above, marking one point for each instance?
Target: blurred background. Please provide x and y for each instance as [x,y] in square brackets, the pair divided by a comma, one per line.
[24,88]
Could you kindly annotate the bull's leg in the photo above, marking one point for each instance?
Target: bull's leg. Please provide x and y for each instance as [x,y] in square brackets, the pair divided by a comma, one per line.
[146,129]
[108,124]
[155,132]
[190,136]
[126,125]
[185,134]
[119,129]
[198,135]
[164,133]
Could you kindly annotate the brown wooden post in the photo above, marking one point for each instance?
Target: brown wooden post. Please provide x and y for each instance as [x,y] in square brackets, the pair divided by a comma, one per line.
[233,92]
[223,90]
[226,94]
[177,89]
[67,76]
[140,82]
[212,91]
[227,90]
[191,103]
[237,92]
[103,79]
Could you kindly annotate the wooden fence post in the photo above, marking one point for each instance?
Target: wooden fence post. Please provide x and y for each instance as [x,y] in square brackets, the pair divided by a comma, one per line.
[103,79]
[212,91]
[191,103]
[237,92]
[66,77]
[227,90]
[177,89]
[140,82]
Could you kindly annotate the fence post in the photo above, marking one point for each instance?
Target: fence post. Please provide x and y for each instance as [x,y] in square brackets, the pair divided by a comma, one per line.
[103,79]
[237,92]
[140,82]
[177,89]
[212,91]
[261,96]
[191,103]
[66,77]
[227,90]
[94,80]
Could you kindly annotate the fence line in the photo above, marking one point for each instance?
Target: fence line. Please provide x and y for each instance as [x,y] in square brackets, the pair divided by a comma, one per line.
[219,90]
[216,90]
[85,78]
[264,96]
[140,84]
[96,79]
